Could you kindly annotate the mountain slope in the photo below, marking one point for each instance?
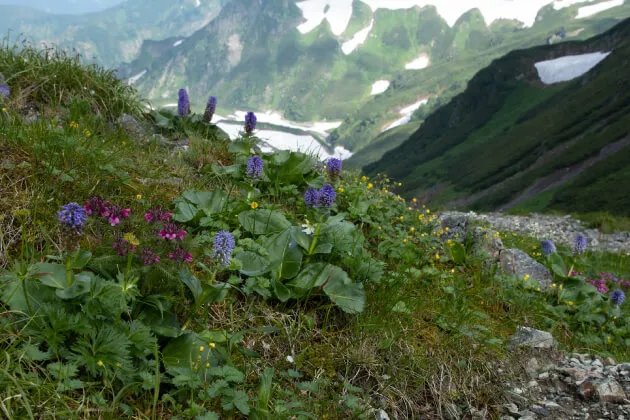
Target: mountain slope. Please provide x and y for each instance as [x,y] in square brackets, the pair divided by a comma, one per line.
[64,6]
[449,73]
[114,35]
[512,141]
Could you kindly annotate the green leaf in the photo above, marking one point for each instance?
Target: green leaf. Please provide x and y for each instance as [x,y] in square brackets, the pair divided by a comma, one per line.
[263,222]
[312,386]
[285,254]
[192,282]
[313,275]
[401,307]
[349,296]
[235,399]
[80,286]
[185,212]
[281,291]
[79,259]
[53,275]
[457,252]
[252,264]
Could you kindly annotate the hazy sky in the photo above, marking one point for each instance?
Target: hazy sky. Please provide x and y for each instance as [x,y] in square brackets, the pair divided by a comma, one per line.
[65,6]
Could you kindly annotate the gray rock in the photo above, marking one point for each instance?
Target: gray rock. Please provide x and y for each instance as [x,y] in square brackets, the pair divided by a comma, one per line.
[532,367]
[381,415]
[134,129]
[526,415]
[511,408]
[517,263]
[541,411]
[530,337]
[457,225]
[485,243]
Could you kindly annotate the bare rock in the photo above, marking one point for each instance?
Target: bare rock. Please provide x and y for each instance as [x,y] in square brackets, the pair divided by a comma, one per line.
[517,263]
[530,337]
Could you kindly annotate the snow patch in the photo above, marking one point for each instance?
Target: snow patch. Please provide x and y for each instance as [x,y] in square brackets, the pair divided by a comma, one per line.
[134,79]
[419,63]
[568,68]
[358,39]
[379,87]
[407,113]
[270,117]
[197,3]
[315,11]
[561,4]
[178,43]
[587,11]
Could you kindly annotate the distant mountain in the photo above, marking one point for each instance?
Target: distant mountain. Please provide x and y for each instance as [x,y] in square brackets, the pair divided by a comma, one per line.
[519,137]
[73,7]
[114,35]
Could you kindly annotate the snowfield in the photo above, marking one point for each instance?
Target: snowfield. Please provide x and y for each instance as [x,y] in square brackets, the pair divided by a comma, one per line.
[358,39]
[379,87]
[568,68]
[134,79]
[407,113]
[419,63]
[178,43]
[587,11]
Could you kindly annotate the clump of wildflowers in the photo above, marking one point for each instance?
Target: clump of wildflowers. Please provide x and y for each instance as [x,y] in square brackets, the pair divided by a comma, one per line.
[183,103]
[171,231]
[254,168]
[327,195]
[95,205]
[311,197]
[580,244]
[115,214]
[211,108]
[180,255]
[122,247]
[333,167]
[600,285]
[149,257]
[548,247]
[72,215]
[250,122]
[156,215]
[223,247]
[4,91]
[617,297]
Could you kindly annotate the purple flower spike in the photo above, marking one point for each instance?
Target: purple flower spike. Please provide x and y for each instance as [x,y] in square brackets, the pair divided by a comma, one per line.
[311,197]
[333,167]
[223,247]
[4,91]
[548,247]
[250,122]
[254,168]
[617,297]
[327,195]
[72,215]
[183,104]
[211,108]
[580,245]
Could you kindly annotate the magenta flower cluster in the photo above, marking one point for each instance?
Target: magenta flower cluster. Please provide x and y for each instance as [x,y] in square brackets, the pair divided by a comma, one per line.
[607,281]
[113,213]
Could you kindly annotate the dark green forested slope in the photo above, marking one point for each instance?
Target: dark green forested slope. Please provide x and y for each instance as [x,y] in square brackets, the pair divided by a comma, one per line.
[510,141]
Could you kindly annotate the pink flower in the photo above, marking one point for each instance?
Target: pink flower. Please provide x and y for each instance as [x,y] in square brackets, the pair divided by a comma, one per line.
[171,232]
[180,255]
[125,213]
[113,220]
[154,215]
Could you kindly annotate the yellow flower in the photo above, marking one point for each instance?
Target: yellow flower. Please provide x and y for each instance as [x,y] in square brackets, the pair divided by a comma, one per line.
[409,208]
[380,228]
[207,364]
[609,340]
[538,289]
[614,318]
[73,124]
[254,205]
[404,241]
[526,277]
[453,271]
[561,286]
[99,363]
[340,189]
[4,110]
[446,229]
[412,229]
[400,184]
[437,256]
[139,197]
[211,345]
[428,211]
[553,285]
[570,303]
[370,186]
[402,217]
[415,200]
[364,178]
[124,143]
[87,133]
[201,348]
[131,238]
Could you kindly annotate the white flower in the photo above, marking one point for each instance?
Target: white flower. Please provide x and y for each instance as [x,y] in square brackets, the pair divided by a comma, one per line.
[290,359]
[308,228]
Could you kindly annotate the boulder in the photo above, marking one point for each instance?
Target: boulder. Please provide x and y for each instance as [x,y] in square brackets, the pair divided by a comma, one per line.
[517,263]
[530,337]
[485,243]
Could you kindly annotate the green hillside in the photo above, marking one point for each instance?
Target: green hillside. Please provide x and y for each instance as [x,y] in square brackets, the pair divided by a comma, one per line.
[453,67]
[511,142]
[114,35]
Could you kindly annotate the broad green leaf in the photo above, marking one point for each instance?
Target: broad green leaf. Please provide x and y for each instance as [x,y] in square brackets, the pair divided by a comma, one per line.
[252,264]
[185,350]
[53,275]
[192,282]
[185,212]
[457,253]
[282,293]
[312,276]
[80,286]
[284,254]
[263,222]
[349,296]
[79,259]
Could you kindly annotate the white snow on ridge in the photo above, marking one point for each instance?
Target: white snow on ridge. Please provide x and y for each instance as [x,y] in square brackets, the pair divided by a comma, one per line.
[568,68]
[178,43]
[379,87]
[134,79]
[419,63]
[587,11]
[358,39]
[407,113]
[338,14]
[270,117]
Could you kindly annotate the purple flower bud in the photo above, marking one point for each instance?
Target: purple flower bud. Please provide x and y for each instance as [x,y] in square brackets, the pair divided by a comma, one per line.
[548,247]
[327,195]
[617,297]
[580,245]
[250,122]
[333,167]
[211,108]
[254,168]
[183,104]
[149,257]
[72,215]
[311,197]
[223,247]
[4,91]
[180,255]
